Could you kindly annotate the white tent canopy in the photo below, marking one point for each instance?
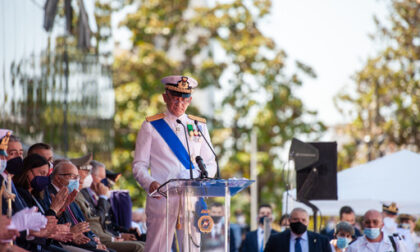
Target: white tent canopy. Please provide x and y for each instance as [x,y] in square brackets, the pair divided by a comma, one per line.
[395,177]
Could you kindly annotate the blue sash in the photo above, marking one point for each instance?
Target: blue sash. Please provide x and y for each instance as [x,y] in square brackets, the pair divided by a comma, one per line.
[173,142]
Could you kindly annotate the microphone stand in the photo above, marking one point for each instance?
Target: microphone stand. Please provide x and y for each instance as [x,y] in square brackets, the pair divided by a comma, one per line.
[208,144]
[188,146]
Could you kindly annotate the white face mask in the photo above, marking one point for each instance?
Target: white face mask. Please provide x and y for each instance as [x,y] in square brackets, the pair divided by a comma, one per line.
[3,164]
[241,220]
[406,226]
[88,181]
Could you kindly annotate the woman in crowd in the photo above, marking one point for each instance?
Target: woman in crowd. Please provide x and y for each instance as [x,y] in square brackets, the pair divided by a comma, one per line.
[30,184]
[342,237]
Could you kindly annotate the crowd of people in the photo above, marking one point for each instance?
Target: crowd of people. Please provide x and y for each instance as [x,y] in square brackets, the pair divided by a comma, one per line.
[67,204]
[62,204]
[377,231]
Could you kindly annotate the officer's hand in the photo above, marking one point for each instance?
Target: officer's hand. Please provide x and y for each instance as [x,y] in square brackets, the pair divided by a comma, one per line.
[153,187]
[102,189]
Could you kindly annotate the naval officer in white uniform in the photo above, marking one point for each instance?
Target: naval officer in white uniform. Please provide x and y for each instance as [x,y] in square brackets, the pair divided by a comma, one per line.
[162,158]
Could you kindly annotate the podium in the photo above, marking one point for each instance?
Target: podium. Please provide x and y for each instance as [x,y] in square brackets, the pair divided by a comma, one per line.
[196,228]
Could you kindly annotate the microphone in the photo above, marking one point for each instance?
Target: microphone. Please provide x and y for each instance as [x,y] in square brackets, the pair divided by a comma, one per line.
[202,167]
[208,144]
[188,146]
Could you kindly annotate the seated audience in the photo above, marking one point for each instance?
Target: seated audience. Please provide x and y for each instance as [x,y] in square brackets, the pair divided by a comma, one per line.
[66,175]
[139,222]
[97,195]
[116,243]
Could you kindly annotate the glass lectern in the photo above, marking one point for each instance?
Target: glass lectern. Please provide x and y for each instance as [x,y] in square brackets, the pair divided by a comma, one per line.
[196,228]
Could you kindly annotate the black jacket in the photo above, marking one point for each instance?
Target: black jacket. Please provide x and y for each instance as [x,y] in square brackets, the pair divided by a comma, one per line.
[281,242]
[250,244]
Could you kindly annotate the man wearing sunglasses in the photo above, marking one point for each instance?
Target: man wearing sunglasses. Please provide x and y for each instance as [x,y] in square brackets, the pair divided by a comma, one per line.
[163,147]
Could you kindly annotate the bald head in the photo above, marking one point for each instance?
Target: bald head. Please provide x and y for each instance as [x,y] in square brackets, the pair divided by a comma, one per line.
[63,172]
[373,219]
[299,215]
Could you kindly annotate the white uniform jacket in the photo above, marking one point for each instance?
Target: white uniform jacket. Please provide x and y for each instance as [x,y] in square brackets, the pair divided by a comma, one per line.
[153,152]
[363,245]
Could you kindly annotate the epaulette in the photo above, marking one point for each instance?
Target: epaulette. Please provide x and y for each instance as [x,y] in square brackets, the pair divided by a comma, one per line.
[155,117]
[197,118]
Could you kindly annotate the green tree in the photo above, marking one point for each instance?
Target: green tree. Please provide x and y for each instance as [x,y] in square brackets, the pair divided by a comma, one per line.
[222,47]
[385,102]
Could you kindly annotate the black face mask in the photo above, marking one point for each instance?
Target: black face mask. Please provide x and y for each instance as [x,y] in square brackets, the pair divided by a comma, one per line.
[217,219]
[105,182]
[15,166]
[298,227]
[261,220]
[39,183]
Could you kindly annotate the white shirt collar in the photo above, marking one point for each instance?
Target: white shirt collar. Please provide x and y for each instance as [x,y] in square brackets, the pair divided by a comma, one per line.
[304,236]
[172,117]
[55,187]
[4,174]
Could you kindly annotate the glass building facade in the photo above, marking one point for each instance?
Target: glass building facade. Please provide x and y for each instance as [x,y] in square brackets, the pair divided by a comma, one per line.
[51,90]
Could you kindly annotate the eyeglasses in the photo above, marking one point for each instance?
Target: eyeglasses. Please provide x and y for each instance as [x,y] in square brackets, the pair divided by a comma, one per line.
[70,175]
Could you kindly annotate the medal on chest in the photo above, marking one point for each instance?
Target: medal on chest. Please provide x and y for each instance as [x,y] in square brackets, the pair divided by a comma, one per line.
[193,133]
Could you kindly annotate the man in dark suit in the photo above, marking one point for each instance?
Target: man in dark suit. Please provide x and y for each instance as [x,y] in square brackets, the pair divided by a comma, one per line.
[347,214]
[97,193]
[65,174]
[298,239]
[97,196]
[254,240]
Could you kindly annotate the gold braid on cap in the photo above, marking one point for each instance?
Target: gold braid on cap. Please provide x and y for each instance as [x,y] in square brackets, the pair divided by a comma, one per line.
[392,208]
[5,141]
[183,86]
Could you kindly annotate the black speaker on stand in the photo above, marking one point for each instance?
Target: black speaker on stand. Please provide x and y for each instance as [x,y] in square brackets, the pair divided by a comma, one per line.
[316,172]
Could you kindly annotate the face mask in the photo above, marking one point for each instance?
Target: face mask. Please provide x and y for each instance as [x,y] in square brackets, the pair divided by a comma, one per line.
[372,233]
[3,164]
[88,181]
[73,185]
[298,227]
[342,242]
[15,166]
[282,228]
[39,183]
[105,182]
[241,220]
[406,225]
[217,219]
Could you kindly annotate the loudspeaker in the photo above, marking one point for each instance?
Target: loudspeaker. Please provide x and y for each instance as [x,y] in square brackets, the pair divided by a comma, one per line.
[318,181]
